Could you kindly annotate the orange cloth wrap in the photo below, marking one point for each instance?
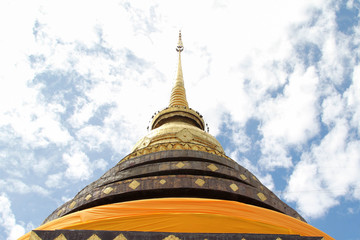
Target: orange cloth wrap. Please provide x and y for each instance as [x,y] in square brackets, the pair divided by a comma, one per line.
[194,215]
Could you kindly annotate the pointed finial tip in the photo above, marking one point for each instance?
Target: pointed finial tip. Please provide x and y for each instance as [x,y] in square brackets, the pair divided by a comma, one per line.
[180,46]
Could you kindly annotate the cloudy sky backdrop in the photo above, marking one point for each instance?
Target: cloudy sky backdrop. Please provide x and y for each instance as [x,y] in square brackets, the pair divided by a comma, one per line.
[277,81]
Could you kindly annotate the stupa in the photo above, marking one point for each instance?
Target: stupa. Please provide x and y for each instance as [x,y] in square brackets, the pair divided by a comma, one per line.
[176,183]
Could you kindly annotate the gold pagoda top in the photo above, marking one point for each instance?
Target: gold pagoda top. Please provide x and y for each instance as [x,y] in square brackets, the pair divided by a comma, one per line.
[178,123]
[178,95]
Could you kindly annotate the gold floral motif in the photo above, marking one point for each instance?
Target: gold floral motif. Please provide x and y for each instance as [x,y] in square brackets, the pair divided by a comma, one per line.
[261,196]
[72,205]
[59,212]
[88,197]
[200,182]
[212,167]
[34,236]
[134,184]
[108,190]
[243,177]
[120,237]
[173,146]
[180,165]
[178,147]
[184,135]
[234,187]
[94,237]
[171,237]
[60,237]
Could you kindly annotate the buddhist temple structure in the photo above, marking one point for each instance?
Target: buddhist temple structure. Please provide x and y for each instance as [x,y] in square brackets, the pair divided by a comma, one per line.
[177,183]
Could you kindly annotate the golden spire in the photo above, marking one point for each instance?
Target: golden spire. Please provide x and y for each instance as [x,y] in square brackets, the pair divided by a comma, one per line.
[178,96]
[178,124]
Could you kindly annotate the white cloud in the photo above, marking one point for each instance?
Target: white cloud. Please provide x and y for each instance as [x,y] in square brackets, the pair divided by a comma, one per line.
[353,99]
[100,164]
[290,119]
[17,186]
[55,180]
[78,165]
[333,109]
[327,173]
[8,220]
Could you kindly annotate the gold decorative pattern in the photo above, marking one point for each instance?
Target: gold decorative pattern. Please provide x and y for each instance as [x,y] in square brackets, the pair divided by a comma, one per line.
[94,237]
[200,182]
[212,167]
[88,197]
[162,181]
[34,236]
[184,135]
[261,196]
[146,141]
[278,238]
[134,184]
[72,205]
[171,237]
[59,212]
[243,239]
[120,237]
[60,237]
[108,190]
[234,187]
[164,147]
[243,177]
[180,165]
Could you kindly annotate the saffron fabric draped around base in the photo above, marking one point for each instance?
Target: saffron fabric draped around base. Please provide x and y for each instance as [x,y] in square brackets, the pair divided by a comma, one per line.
[192,215]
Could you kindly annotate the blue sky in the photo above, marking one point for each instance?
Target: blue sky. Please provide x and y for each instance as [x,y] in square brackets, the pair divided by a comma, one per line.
[278,82]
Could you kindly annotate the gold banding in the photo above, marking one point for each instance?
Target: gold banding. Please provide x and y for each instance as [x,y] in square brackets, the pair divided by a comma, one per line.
[178,145]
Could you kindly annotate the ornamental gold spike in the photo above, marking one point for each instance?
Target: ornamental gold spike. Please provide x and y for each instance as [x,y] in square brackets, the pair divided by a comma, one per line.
[178,96]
